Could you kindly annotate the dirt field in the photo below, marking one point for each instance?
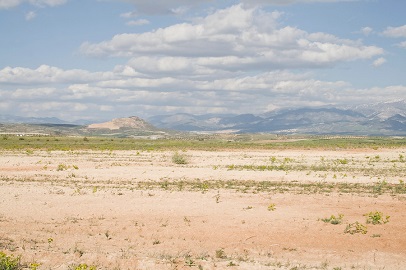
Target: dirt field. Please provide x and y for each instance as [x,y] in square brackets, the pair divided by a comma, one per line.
[141,210]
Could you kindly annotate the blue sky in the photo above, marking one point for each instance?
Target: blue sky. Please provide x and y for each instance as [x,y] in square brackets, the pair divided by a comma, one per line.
[98,60]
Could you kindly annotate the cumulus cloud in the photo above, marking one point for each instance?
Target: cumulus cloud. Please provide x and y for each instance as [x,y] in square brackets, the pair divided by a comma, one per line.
[47,74]
[126,91]
[50,3]
[366,31]
[33,93]
[5,4]
[131,14]
[402,44]
[236,38]
[180,6]
[395,32]
[30,15]
[379,62]
[234,60]
[163,6]
[290,2]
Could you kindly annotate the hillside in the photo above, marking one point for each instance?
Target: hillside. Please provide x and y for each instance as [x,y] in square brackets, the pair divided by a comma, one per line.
[119,127]
[132,122]
[381,119]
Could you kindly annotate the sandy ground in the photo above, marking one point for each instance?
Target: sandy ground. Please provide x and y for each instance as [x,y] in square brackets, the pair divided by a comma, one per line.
[61,209]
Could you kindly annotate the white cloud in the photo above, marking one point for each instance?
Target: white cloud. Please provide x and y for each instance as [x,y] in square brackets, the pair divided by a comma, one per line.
[51,3]
[379,62]
[32,93]
[233,60]
[5,4]
[366,31]
[236,38]
[30,15]
[105,108]
[291,2]
[122,95]
[131,14]
[47,74]
[395,32]
[402,44]
[163,6]
[137,22]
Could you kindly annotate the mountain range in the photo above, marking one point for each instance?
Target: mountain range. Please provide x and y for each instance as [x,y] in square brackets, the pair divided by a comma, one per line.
[384,118]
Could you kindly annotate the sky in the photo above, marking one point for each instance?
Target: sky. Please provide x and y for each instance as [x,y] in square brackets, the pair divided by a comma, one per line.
[101,59]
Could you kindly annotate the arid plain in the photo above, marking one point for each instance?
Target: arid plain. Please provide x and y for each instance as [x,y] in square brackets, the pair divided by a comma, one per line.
[231,208]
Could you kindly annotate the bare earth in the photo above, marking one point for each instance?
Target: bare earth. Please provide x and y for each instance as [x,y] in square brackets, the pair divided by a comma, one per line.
[61,209]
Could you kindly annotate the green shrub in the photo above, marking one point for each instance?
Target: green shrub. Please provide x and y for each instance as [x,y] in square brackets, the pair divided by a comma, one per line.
[62,167]
[9,262]
[333,219]
[376,218]
[179,158]
[356,227]
[82,266]
[271,207]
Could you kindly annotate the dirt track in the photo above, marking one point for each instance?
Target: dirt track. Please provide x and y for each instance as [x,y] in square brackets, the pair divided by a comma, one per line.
[64,208]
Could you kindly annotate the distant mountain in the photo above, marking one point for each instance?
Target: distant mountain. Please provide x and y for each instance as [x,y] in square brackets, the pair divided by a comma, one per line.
[382,110]
[308,120]
[30,120]
[190,122]
[386,118]
[11,119]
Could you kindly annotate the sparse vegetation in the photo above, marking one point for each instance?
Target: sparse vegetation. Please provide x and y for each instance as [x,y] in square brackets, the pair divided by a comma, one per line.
[333,219]
[242,189]
[178,158]
[271,207]
[356,227]
[377,218]
[221,254]
[82,266]
[9,262]
[195,143]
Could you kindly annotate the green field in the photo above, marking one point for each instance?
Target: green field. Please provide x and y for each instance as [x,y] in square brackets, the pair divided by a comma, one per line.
[196,143]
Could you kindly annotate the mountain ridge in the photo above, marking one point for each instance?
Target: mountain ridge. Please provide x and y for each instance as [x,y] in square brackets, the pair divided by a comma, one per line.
[383,118]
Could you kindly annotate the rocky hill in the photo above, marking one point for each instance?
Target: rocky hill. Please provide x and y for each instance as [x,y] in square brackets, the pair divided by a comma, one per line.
[132,122]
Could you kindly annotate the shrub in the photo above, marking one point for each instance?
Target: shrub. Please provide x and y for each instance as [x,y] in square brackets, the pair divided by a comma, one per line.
[179,158]
[356,227]
[62,167]
[272,207]
[9,262]
[376,218]
[221,254]
[82,266]
[333,219]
